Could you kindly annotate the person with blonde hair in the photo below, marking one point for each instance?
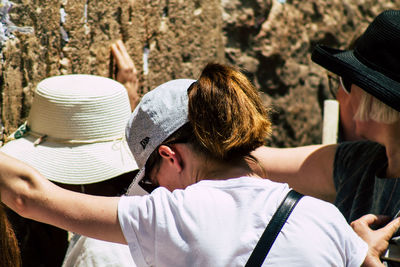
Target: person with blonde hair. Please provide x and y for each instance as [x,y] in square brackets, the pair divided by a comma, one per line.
[192,141]
[359,177]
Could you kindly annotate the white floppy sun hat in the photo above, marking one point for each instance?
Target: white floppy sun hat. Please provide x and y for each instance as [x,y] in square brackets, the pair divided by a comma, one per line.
[75,130]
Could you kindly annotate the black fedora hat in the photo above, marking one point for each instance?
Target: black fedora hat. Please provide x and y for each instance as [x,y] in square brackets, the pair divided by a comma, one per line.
[374,64]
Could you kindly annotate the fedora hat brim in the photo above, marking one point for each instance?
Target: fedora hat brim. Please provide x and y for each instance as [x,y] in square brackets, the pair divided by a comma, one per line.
[73,163]
[346,64]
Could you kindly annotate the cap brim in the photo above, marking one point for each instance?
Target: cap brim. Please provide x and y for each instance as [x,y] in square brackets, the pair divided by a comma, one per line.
[73,164]
[135,189]
[345,63]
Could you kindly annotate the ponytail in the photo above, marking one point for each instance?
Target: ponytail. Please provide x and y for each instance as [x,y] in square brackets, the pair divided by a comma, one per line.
[226,112]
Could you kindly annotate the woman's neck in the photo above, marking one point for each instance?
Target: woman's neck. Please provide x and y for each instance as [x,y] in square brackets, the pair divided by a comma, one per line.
[212,169]
[392,145]
[393,169]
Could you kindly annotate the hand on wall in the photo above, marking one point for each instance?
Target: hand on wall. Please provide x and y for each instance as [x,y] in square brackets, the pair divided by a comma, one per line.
[126,72]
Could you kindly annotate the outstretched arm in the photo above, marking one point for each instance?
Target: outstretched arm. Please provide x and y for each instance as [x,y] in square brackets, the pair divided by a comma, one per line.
[28,193]
[377,240]
[307,169]
[126,72]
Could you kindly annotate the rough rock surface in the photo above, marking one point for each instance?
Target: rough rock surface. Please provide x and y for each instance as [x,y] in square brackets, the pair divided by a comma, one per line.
[166,38]
[271,40]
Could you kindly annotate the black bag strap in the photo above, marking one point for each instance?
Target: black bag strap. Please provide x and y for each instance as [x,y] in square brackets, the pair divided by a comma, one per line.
[272,230]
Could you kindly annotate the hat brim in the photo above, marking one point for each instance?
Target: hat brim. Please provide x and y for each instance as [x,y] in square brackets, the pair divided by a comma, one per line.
[135,189]
[344,63]
[72,163]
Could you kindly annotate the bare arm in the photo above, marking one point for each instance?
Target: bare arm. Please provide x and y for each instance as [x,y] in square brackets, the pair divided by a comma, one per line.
[27,192]
[307,169]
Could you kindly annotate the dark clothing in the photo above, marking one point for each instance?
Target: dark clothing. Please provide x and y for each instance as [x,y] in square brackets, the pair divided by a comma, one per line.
[358,171]
[41,245]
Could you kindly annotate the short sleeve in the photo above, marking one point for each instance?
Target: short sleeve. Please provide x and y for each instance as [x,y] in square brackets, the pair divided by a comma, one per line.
[129,219]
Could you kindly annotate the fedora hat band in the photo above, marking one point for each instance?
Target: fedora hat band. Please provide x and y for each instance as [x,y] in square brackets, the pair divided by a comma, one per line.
[378,47]
[386,70]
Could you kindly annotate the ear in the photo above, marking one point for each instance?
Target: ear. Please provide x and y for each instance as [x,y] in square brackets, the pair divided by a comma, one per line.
[172,156]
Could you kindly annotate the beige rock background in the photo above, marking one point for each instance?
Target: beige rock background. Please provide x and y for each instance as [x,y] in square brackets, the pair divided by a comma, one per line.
[271,40]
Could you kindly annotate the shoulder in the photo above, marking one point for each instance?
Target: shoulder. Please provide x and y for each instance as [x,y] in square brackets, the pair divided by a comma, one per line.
[317,209]
[315,214]
[359,148]
[326,222]
[326,238]
[358,155]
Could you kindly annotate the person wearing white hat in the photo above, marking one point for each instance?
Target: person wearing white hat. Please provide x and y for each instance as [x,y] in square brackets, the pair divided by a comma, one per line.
[192,141]
[74,135]
[89,252]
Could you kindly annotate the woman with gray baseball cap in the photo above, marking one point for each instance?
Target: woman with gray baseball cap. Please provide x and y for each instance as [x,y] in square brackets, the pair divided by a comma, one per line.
[192,141]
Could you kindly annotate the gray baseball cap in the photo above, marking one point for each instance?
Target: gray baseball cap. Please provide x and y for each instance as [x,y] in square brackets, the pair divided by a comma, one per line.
[159,114]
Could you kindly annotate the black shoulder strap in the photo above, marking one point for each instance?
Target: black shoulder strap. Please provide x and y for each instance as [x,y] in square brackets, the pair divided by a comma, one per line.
[263,246]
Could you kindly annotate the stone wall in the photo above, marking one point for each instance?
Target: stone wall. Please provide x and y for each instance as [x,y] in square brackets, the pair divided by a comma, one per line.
[166,38]
[271,40]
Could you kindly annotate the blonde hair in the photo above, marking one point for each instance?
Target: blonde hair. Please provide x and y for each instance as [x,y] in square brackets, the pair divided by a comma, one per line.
[372,108]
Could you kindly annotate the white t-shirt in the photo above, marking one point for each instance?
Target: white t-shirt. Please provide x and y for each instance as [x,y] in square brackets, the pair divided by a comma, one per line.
[88,252]
[219,222]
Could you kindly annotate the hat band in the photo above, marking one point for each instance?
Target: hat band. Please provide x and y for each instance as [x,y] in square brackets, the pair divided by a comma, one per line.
[385,71]
[25,129]
[44,137]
